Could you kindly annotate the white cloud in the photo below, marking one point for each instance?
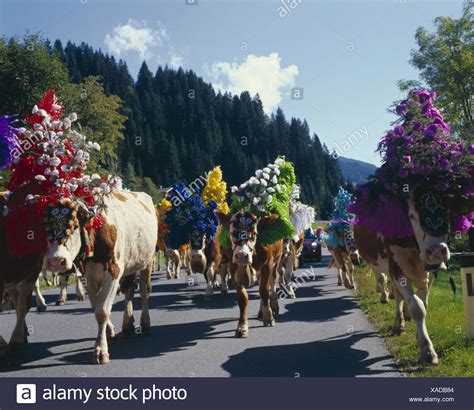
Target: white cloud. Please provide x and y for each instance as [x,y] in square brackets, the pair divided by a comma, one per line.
[176,60]
[263,75]
[135,36]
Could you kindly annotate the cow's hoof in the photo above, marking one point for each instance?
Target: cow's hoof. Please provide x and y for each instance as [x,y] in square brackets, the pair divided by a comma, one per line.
[429,357]
[242,331]
[291,295]
[339,283]
[224,291]
[100,358]
[268,322]
[398,330]
[41,309]
[128,330]
[145,330]
[168,276]
[383,298]
[260,315]
[60,303]
[80,298]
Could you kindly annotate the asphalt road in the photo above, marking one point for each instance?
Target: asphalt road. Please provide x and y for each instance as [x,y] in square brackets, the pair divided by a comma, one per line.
[321,333]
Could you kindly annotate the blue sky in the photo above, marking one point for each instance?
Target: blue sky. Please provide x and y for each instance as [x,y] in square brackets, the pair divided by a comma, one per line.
[346,55]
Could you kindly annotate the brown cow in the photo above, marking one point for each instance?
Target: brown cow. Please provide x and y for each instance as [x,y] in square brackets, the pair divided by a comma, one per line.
[344,257]
[249,257]
[205,257]
[405,260]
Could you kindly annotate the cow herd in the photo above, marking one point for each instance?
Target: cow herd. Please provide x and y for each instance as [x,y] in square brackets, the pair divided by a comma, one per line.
[126,243]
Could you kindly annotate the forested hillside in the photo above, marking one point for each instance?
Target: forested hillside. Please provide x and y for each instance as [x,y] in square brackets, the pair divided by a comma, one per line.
[178,128]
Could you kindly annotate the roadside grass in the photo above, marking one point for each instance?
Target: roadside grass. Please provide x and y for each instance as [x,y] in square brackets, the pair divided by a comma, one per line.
[445,323]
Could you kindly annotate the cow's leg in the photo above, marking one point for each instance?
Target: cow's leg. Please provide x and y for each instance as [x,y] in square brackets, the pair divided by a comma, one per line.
[418,314]
[102,288]
[399,325]
[168,264]
[210,278]
[264,288]
[242,300]
[46,279]
[93,288]
[223,275]
[20,294]
[102,313]
[423,288]
[350,270]
[381,286]
[176,268]
[158,261]
[145,291]
[40,302]
[273,294]
[80,292]
[286,277]
[63,282]
[127,286]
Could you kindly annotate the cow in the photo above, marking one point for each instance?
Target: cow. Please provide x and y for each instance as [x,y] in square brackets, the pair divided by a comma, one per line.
[341,245]
[123,245]
[205,257]
[408,261]
[172,263]
[248,258]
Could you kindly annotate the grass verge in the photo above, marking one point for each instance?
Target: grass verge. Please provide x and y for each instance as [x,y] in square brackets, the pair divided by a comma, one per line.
[445,323]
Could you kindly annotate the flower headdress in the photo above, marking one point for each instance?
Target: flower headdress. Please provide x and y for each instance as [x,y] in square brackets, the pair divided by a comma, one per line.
[47,164]
[216,190]
[418,152]
[301,215]
[268,192]
[188,213]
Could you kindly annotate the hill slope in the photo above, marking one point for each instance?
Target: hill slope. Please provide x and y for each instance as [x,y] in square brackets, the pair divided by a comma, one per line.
[354,170]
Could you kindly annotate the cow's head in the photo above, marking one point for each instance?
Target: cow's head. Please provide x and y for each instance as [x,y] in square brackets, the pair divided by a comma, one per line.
[243,227]
[64,238]
[351,247]
[198,239]
[429,218]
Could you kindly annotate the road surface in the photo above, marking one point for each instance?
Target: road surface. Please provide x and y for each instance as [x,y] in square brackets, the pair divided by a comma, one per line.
[321,333]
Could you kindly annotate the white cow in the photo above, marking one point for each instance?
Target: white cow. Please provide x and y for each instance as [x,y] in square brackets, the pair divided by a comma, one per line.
[123,246]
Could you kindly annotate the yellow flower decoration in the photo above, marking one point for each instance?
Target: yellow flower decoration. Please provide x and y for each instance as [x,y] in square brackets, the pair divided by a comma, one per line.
[216,190]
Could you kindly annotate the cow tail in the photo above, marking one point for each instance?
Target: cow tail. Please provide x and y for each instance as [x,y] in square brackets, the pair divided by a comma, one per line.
[452,283]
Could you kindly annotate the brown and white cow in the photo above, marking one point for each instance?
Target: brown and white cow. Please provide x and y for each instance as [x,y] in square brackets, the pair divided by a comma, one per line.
[249,257]
[344,257]
[124,245]
[205,257]
[406,260]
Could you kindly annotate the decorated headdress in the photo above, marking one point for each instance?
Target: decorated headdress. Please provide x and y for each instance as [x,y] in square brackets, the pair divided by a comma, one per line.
[341,219]
[8,140]
[418,153]
[47,164]
[301,215]
[216,190]
[188,213]
[268,192]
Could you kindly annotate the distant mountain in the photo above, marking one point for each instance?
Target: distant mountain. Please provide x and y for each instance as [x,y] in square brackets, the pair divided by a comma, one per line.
[354,170]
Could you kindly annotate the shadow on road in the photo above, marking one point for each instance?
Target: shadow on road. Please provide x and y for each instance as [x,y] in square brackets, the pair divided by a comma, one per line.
[333,357]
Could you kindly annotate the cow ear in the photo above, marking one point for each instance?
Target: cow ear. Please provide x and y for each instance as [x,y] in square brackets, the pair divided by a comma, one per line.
[266,222]
[224,219]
